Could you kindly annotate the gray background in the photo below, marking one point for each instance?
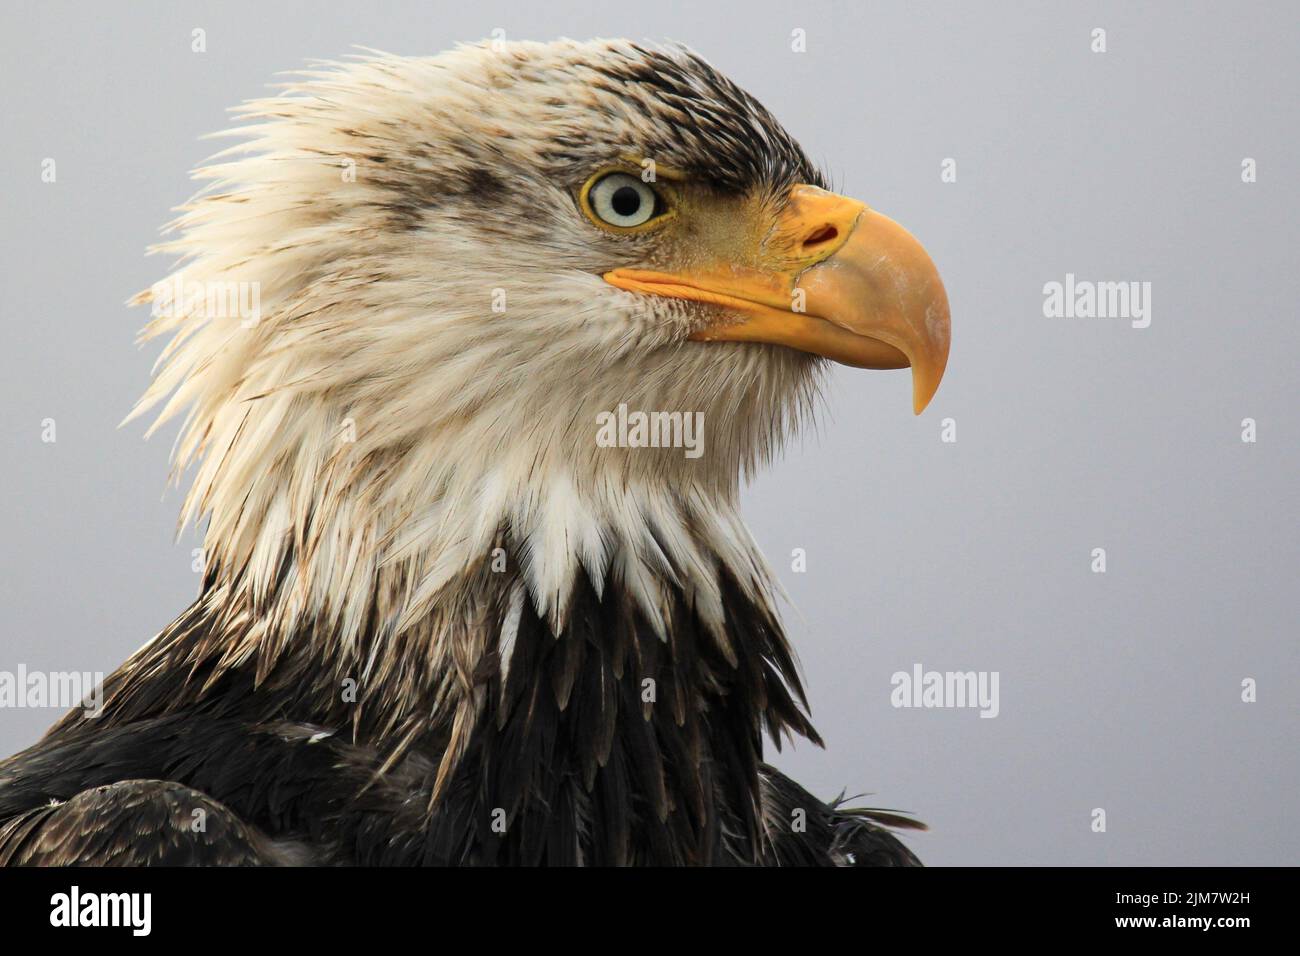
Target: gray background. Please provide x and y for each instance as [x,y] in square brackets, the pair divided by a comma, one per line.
[1120,690]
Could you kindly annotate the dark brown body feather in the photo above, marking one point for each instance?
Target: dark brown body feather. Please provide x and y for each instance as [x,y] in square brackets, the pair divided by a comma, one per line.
[196,762]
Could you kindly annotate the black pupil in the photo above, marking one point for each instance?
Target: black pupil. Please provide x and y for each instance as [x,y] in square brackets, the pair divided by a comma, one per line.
[625,201]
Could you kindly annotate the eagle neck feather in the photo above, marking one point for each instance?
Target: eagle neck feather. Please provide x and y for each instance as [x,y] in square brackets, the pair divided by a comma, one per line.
[515,706]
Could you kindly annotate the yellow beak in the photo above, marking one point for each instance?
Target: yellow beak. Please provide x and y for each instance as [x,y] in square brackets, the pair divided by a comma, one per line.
[834,278]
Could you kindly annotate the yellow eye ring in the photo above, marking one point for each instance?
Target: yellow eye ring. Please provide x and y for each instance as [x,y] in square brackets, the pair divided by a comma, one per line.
[618,200]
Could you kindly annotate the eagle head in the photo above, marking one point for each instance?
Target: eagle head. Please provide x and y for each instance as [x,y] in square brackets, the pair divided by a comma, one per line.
[456,265]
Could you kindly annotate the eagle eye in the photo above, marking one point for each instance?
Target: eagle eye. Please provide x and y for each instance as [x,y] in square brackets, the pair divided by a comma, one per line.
[621,200]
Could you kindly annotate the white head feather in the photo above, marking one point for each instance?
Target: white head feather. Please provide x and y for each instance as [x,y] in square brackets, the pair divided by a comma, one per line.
[381,429]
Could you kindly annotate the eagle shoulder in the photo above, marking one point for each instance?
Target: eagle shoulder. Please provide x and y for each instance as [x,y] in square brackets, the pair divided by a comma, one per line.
[138,823]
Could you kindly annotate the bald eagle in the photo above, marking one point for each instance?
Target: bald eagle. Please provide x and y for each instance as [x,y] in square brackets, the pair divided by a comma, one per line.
[440,621]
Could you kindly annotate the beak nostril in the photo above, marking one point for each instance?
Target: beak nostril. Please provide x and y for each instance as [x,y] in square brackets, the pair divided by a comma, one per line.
[824,234]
